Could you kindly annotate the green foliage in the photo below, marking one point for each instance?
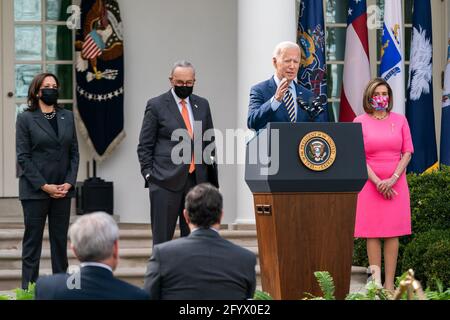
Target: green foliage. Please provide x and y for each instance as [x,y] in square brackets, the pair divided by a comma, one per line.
[326,284]
[430,196]
[440,294]
[429,255]
[373,292]
[430,210]
[261,295]
[21,294]
[356,296]
[360,253]
[437,260]
[27,294]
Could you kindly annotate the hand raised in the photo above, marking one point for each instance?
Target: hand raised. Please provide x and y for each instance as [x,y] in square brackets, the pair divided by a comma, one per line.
[281,90]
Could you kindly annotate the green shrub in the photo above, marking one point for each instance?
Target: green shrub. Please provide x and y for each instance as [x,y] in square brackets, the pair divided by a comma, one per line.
[430,210]
[437,261]
[430,198]
[429,255]
[373,292]
[326,283]
[261,295]
[21,294]
[360,253]
[440,294]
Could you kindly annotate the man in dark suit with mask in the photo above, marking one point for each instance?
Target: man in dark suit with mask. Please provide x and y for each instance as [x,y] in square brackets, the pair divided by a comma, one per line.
[277,99]
[171,169]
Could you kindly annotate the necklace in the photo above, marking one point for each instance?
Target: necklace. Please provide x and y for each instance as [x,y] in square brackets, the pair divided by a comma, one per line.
[50,115]
[378,117]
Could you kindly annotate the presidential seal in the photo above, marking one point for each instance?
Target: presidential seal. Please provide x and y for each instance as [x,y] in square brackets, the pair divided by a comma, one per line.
[317,151]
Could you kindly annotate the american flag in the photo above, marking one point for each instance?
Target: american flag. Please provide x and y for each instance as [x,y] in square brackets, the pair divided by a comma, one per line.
[93,45]
[356,64]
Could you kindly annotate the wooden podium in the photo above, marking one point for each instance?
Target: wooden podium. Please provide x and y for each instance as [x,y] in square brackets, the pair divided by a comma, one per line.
[305,218]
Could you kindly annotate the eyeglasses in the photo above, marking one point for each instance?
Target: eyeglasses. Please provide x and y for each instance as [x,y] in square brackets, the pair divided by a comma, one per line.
[180,83]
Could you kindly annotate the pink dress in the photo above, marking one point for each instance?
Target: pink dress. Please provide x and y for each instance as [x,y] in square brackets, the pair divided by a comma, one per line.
[384,142]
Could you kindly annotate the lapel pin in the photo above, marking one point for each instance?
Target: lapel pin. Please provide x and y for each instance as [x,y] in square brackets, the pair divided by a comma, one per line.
[196,107]
[62,118]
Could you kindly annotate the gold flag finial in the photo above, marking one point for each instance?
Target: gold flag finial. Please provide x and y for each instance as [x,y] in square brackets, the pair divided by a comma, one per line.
[411,286]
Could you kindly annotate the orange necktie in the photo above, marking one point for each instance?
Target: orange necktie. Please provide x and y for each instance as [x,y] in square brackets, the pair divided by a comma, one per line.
[187,122]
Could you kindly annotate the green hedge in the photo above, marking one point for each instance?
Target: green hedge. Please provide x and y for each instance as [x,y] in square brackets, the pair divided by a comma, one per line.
[430,210]
[430,201]
[436,262]
[429,255]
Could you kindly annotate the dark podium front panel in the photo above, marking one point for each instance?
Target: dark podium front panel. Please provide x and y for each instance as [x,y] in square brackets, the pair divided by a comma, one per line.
[347,174]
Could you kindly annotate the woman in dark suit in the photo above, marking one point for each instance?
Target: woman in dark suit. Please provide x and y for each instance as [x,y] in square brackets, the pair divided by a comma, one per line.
[47,152]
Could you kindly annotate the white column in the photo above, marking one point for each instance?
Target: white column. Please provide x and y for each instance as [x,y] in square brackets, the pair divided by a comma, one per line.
[261,25]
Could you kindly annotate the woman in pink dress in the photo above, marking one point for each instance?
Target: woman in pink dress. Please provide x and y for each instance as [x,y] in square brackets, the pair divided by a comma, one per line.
[383,210]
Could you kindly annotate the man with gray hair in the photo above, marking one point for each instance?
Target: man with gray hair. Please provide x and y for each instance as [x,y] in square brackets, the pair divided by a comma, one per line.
[168,170]
[277,99]
[94,241]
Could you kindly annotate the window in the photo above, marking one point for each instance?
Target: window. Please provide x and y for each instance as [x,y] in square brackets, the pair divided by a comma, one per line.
[336,25]
[43,43]
[336,30]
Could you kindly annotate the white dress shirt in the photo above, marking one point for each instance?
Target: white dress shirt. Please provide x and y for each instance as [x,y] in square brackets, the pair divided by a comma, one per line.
[188,106]
[275,103]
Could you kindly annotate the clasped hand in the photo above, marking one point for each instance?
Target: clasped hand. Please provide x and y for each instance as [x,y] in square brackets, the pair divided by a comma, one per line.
[57,191]
[385,187]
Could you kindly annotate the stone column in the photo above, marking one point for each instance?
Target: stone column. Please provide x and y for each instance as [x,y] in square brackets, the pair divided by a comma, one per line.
[261,25]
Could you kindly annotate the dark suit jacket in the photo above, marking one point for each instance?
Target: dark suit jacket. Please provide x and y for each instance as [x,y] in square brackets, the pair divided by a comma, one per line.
[44,157]
[201,266]
[96,283]
[260,111]
[161,118]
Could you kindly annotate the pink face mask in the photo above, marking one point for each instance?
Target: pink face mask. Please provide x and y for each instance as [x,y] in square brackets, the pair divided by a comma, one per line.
[380,103]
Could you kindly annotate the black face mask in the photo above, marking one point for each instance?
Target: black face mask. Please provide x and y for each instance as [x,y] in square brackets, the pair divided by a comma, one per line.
[49,96]
[183,91]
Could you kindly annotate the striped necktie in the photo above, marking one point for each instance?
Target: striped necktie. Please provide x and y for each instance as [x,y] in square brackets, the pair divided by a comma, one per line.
[290,105]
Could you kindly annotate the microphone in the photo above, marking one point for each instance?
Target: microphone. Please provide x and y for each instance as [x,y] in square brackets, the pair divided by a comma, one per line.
[314,107]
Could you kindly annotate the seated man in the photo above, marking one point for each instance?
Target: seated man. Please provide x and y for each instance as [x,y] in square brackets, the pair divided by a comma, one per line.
[202,265]
[94,241]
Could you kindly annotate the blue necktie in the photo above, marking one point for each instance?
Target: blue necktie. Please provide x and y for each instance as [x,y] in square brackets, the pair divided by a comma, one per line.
[290,105]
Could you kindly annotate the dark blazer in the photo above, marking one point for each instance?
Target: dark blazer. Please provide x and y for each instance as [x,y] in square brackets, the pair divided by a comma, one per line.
[260,112]
[161,118]
[201,266]
[44,157]
[96,283]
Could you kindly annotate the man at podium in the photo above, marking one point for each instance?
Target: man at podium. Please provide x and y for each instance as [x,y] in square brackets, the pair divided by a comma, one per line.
[281,98]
